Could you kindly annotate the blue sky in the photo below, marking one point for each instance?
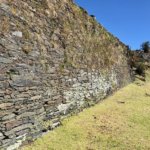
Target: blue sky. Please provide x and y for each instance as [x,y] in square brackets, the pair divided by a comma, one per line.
[129,20]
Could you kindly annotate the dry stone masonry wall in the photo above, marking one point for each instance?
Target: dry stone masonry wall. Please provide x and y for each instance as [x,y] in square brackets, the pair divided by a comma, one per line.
[54,60]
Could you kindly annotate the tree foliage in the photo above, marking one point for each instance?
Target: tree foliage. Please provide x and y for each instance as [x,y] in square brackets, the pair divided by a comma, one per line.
[146,46]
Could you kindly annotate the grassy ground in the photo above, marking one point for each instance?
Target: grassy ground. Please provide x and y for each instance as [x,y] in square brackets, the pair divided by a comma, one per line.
[121,122]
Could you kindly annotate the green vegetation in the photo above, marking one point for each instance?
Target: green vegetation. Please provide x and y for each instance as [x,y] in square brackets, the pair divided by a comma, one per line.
[4,25]
[26,49]
[120,122]
[140,68]
[82,9]
[146,46]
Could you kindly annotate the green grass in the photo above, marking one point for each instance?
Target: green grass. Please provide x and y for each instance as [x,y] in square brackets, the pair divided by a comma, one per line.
[121,122]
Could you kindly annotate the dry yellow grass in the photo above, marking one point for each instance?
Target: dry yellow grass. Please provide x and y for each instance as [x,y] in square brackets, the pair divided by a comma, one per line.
[121,122]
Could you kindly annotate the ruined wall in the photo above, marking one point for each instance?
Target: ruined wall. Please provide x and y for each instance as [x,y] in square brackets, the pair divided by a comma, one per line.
[54,60]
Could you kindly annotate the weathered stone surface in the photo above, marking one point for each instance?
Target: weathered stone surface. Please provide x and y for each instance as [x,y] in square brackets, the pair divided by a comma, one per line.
[17,33]
[4,85]
[65,108]
[4,7]
[37,97]
[25,114]
[19,128]
[10,125]
[8,117]
[22,83]
[1,136]
[54,60]
[4,106]
[5,60]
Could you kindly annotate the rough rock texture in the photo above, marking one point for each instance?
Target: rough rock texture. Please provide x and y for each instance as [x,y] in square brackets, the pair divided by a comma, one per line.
[54,60]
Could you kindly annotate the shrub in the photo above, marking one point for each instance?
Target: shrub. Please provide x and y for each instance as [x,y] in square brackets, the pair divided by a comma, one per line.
[128,47]
[146,46]
[83,10]
[92,16]
[140,69]
[26,49]
[4,25]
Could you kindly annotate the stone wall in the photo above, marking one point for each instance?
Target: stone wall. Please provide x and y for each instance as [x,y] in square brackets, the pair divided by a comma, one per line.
[54,60]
